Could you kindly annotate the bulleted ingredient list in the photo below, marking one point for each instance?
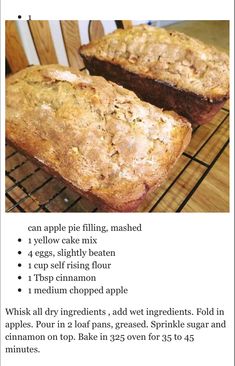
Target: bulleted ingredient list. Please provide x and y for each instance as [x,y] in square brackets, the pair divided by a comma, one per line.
[73,262]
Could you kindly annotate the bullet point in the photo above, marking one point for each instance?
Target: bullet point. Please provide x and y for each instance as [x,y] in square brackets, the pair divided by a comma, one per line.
[19,264]
[19,277]
[19,16]
[19,290]
[19,240]
[19,252]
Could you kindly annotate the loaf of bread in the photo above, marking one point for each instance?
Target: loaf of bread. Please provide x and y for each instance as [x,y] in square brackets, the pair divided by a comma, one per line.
[168,69]
[96,136]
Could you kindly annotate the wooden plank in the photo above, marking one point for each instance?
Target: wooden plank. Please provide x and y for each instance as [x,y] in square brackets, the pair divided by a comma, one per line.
[126,24]
[182,187]
[72,42]
[84,205]
[15,53]
[95,30]
[202,134]
[213,193]
[214,145]
[226,105]
[63,200]
[29,205]
[43,42]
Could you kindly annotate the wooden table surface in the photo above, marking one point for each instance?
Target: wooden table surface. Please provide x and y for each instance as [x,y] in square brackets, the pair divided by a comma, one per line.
[198,183]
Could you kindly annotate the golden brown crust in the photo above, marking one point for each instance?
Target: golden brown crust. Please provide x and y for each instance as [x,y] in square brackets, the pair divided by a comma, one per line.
[168,56]
[94,135]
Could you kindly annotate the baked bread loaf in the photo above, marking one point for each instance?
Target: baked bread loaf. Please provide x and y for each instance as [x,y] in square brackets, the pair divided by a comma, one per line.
[168,69]
[96,136]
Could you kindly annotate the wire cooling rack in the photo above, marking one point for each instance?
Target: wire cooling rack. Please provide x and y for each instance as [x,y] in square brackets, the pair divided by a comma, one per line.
[198,183]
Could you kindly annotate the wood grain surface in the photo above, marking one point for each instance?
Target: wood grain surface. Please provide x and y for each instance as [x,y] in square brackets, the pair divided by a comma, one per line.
[43,42]
[127,24]
[15,53]
[72,42]
[96,30]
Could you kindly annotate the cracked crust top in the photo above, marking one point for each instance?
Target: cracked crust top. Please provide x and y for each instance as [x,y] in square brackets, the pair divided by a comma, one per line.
[168,56]
[96,135]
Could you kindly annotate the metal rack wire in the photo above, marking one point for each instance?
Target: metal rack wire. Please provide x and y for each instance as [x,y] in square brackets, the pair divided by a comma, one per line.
[30,189]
